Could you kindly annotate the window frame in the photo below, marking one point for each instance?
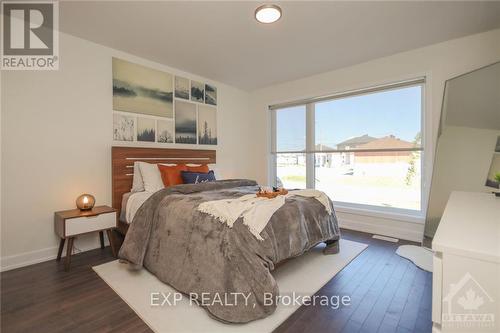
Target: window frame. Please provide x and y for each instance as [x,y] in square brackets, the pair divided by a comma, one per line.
[350,207]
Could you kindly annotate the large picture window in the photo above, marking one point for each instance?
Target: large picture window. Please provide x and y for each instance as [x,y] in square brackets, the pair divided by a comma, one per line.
[291,143]
[362,149]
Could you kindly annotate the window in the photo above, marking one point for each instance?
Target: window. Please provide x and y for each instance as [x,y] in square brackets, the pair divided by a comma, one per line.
[291,147]
[362,149]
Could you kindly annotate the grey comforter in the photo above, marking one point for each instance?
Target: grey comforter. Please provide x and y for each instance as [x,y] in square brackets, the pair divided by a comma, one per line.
[195,253]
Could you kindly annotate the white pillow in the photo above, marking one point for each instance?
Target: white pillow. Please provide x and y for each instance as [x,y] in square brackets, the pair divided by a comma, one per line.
[151,177]
[137,183]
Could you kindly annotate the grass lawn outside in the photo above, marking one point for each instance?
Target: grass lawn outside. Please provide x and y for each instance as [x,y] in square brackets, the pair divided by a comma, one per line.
[378,185]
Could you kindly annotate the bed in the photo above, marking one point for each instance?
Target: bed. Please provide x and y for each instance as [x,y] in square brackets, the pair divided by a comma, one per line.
[202,257]
[122,170]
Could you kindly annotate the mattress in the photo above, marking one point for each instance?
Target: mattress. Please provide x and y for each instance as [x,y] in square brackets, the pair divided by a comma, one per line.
[131,202]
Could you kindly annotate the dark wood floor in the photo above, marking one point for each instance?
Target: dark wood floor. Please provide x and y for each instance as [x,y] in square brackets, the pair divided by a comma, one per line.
[388,294]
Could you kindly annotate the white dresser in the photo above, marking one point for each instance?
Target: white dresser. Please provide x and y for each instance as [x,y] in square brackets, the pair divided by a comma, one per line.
[466,278]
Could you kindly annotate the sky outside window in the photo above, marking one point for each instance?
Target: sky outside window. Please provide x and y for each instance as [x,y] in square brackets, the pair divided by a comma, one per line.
[394,112]
[291,129]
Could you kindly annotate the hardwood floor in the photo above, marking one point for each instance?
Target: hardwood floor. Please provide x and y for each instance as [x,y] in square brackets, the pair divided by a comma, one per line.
[388,294]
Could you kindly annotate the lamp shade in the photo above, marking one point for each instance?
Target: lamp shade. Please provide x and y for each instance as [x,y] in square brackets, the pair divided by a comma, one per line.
[85,201]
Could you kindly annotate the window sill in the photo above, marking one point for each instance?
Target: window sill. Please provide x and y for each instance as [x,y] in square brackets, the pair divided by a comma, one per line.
[343,207]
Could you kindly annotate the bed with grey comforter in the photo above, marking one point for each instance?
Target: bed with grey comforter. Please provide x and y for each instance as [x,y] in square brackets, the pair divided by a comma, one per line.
[198,255]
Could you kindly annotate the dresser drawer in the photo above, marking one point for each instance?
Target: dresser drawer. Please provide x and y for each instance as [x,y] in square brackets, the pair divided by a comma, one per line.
[80,225]
[437,286]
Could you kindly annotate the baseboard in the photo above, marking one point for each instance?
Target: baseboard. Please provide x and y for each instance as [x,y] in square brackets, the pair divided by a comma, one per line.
[34,257]
[382,226]
[27,258]
[372,224]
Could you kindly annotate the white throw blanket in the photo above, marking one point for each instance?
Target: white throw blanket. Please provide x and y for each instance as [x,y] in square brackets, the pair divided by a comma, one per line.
[256,212]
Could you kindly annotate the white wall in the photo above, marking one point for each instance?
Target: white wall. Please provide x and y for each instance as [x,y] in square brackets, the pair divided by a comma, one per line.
[56,136]
[438,62]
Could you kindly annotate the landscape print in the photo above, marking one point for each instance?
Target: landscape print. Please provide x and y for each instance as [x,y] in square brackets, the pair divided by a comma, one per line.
[210,95]
[197,91]
[185,122]
[181,87]
[123,128]
[207,125]
[165,130]
[145,129]
[142,90]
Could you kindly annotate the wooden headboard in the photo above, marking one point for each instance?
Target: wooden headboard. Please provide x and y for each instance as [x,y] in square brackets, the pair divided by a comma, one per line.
[123,158]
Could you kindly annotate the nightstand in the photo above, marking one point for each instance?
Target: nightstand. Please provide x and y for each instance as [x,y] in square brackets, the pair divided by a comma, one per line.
[70,223]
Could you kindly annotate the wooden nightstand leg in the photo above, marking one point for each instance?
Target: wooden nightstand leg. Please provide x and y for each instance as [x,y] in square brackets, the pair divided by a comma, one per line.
[101,237]
[61,246]
[111,243]
[69,250]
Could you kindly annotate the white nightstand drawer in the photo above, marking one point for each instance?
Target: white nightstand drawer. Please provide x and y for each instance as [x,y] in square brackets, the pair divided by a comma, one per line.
[80,225]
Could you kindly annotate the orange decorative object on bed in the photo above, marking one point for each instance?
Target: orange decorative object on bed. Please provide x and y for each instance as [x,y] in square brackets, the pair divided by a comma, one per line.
[171,175]
[201,168]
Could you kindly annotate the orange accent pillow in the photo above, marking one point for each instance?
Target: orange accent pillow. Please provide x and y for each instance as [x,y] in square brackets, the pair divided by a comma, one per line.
[202,168]
[171,175]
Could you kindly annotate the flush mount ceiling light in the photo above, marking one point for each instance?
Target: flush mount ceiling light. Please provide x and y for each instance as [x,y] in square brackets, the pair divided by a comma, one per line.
[268,13]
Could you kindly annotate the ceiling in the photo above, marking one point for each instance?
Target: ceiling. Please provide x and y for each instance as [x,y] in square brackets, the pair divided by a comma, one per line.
[222,40]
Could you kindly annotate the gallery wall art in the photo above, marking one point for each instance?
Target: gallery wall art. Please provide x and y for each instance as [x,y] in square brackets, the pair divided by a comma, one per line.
[123,128]
[142,90]
[165,131]
[182,87]
[210,94]
[146,129]
[185,122]
[207,125]
[154,106]
[197,91]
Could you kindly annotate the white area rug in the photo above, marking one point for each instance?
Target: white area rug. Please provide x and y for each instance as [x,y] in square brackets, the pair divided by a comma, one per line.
[305,275]
[420,256]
